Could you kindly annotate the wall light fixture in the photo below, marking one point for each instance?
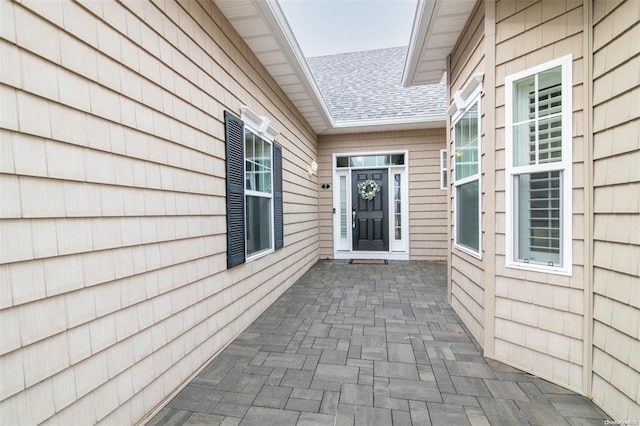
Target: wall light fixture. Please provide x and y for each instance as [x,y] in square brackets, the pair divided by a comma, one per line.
[312,168]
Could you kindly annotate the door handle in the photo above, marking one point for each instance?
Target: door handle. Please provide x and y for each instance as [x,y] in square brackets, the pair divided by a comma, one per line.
[353,218]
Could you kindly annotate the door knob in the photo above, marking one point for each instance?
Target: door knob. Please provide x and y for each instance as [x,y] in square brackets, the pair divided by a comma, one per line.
[353,218]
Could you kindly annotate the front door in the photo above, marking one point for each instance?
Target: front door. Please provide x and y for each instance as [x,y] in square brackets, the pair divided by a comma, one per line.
[369,217]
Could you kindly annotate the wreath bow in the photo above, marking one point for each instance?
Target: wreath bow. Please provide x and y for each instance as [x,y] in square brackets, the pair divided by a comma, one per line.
[368,189]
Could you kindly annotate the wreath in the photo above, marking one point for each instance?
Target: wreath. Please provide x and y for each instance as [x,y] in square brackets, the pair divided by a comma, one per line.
[368,189]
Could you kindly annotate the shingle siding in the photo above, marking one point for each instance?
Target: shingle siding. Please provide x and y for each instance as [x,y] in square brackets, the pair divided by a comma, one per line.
[616,250]
[113,279]
[549,341]
[467,274]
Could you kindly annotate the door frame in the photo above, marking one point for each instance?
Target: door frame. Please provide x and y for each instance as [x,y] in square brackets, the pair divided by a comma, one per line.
[343,245]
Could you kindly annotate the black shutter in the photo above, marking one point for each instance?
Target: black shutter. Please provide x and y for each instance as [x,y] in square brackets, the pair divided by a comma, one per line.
[234,135]
[278,216]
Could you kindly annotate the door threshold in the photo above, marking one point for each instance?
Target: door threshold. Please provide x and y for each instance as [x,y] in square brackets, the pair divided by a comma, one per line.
[368,262]
[383,255]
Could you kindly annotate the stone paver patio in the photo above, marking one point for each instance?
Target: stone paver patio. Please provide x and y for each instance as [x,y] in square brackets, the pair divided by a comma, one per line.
[367,345]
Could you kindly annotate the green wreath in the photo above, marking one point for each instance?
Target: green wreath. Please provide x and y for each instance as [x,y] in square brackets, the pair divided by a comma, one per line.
[368,189]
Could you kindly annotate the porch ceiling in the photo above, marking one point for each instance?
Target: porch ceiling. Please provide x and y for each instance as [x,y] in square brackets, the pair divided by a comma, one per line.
[436,29]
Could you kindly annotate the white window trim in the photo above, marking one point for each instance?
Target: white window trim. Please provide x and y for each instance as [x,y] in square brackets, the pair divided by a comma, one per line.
[459,113]
[565,166]
[462,99]
[261,127]
[259,124]
[444,168]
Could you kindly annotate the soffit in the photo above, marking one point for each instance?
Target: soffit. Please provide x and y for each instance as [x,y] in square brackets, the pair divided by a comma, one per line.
[259,25]
[436,29]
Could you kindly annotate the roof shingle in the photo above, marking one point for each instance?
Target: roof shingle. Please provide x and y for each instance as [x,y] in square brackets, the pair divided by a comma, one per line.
[367,86]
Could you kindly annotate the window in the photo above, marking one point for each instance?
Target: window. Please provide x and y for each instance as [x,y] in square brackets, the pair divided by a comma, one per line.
[443,169]
[466,140]
[370,160]
[258,193]
[254,188]
[538,150]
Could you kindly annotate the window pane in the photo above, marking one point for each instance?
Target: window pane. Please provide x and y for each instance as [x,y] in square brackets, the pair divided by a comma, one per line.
[524,95]
[524,144]
[539,225]
[550,92]
[258,222]
[550,139]
[467,219]
[370,161]
[537,109]
[356,161]
[397,159]
[466,144]
[257,163]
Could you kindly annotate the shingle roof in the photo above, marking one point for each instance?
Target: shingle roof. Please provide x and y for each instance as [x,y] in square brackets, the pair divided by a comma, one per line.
[367,85]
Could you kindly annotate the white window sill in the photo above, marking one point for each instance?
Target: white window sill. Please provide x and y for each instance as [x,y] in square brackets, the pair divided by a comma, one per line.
[468,251]
[258,255]
[533,267]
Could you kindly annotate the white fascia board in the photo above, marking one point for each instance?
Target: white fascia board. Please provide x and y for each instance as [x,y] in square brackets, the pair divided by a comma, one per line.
[422,25]
[275,17]
[388,124]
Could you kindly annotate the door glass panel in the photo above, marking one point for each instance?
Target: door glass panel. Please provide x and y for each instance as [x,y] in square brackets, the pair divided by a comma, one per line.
[343,207]
[397,215]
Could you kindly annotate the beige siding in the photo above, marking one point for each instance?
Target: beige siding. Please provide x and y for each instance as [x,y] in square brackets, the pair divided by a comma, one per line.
[467,273]
[616,251]
[113,281]
[539,321]
[427,202]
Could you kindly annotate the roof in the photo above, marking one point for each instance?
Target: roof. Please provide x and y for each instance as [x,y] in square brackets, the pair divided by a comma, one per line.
[368,86]
[263,26]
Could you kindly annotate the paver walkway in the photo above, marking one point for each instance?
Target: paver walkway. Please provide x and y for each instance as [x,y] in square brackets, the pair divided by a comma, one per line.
[367,345]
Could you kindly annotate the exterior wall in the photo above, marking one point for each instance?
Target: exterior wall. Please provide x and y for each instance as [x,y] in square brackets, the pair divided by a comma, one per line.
[427,202]
[113,281]
[616,249]
[539,317]
[467,273]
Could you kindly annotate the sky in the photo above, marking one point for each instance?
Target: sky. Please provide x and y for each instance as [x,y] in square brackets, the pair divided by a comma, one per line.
[327,27]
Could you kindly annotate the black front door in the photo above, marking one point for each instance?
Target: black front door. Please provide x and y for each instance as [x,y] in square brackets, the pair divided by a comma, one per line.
[369,217]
